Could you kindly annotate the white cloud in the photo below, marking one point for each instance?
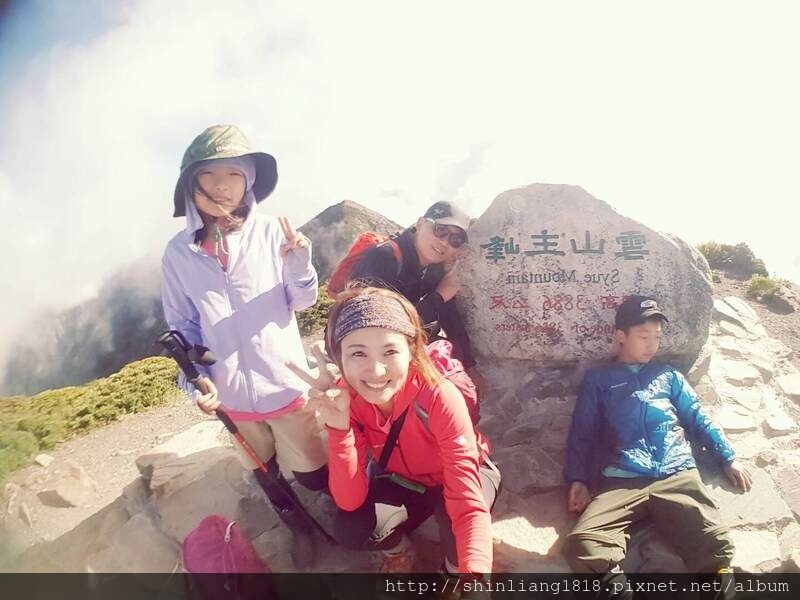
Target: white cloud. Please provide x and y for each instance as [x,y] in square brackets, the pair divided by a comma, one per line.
[682,117]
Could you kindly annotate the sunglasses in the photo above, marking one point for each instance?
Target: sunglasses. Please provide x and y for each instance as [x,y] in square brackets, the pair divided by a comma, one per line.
[455,237]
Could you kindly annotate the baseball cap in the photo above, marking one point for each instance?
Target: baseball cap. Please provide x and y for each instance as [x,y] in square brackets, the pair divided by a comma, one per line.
[635,310]
[448,213]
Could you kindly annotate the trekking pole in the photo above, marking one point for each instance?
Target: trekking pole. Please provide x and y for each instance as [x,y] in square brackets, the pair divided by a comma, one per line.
[185,355]
[234,431]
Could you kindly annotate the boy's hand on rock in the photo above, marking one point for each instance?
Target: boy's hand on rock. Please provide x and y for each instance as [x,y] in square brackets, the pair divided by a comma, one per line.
[738,475]
[449,285]
[208,401]
[579,497]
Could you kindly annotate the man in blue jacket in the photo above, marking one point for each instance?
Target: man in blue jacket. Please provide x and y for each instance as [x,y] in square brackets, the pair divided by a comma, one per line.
[636,415]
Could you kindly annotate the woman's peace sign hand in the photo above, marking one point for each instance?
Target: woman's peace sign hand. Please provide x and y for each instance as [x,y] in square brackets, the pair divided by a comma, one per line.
[295,240]
[333,403]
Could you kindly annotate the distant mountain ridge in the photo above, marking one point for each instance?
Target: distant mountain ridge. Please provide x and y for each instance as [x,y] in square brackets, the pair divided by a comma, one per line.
[100,336]
[334,229]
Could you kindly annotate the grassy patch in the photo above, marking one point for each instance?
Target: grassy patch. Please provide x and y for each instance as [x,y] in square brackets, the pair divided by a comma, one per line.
[763,288]
[33,424]
[737,260]
[313,319]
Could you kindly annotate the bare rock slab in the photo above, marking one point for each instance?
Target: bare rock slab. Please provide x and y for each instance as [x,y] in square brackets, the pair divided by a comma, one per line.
[217,491]
[734,330]
[529,469]
[756,551]
[762,505]
[740,313]
[199,437]
[137,547]
[780,424]
[789,482]
[733,420]
[69,486]
[536,524]
[739,373]
[790,539]
[790,385]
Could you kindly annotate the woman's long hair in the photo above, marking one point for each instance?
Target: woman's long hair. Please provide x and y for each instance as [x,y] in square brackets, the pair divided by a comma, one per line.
[419,357]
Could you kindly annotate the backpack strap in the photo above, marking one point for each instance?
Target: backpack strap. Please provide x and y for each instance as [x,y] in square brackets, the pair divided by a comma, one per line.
[391,440]
[421,413]
[398,253]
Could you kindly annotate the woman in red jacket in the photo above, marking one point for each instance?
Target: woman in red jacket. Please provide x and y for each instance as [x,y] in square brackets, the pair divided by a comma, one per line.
[437,464]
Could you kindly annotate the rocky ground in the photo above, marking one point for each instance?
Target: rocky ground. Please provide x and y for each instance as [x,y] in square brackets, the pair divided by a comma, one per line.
[747,376]
[107,455]
[784,327]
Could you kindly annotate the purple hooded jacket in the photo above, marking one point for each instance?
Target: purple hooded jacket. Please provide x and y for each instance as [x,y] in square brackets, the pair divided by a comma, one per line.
[245,316]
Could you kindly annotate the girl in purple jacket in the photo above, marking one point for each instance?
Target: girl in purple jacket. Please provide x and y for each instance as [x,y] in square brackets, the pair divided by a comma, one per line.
[231,281]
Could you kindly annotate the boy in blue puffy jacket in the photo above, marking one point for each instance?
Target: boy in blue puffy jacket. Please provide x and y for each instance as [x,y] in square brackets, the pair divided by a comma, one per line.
[641,411]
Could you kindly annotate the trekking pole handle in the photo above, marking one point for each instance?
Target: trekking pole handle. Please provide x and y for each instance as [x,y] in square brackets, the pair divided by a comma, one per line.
[178,348]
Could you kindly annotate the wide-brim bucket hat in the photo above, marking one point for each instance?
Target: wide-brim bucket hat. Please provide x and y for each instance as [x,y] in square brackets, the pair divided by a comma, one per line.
[224,141]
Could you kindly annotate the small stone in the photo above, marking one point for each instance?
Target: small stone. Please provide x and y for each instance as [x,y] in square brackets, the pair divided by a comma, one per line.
[767,457]
[25,514]
[72,486]
[780,424]
[43,460]
[790,385]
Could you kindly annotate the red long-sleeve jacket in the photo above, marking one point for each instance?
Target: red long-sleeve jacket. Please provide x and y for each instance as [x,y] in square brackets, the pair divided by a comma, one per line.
[445,453]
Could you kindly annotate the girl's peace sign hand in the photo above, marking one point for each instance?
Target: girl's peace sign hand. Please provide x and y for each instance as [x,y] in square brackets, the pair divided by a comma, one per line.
[295,240]
[333,403]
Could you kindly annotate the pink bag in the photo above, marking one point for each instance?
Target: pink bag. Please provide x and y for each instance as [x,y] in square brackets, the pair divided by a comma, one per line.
[217,546]
[441,354]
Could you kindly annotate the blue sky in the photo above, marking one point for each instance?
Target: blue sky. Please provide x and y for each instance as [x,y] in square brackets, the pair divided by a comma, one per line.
[681,115]
[32,28]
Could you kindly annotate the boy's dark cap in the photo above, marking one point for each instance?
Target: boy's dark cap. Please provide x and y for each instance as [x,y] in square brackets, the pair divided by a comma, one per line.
[635,310]
[448,213]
